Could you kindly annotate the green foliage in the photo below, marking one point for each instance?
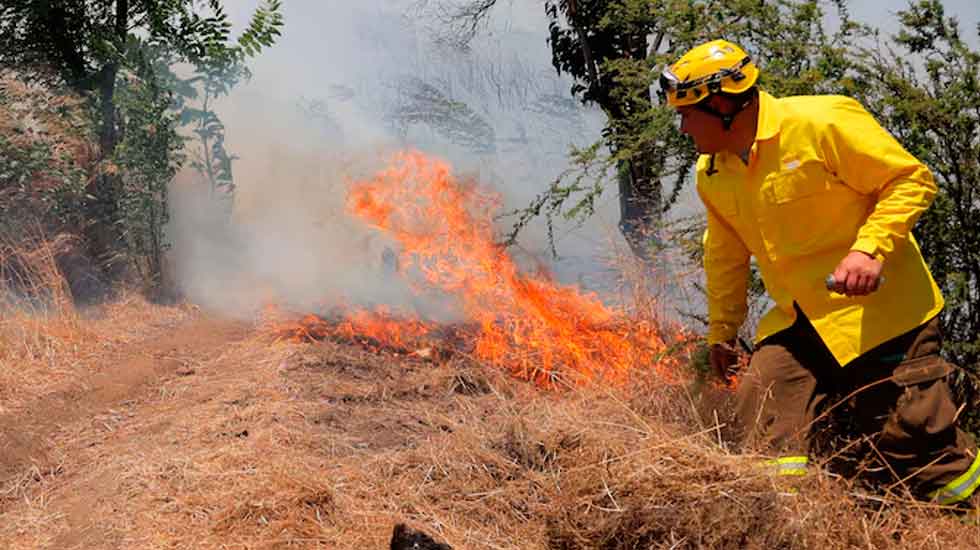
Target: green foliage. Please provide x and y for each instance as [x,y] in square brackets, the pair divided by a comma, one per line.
[262,30]
[209,157]
[148,157]
[213,78]
[214,161]
[550,202]
[22,165]
[925,88]
[78,38]
[45,156]
[121,54]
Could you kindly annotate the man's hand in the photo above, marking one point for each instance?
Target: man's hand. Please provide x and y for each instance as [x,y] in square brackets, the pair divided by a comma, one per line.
[724,359]
[858,274]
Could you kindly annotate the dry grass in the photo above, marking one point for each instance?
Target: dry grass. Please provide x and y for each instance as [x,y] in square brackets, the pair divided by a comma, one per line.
[44,339]
[39,318]
[273,446]
[604,469]
[264,445]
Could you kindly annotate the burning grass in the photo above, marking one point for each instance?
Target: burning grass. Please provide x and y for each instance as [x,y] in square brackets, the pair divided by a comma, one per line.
[378,330]
[625,459]
[520,321]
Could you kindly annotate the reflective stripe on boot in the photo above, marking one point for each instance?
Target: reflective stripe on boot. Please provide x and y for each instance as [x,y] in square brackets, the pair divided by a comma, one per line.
[789,465]
[960,488]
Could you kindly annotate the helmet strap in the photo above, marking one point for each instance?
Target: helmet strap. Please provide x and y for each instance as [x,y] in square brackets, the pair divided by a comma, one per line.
[726,118]
[711,167]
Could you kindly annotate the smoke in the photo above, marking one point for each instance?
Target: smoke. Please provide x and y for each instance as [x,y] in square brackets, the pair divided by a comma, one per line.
[347,85]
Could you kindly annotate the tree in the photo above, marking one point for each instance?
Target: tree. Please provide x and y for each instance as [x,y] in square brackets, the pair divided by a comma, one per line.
[211,80]
[89,45]
[612,50]
[145,160]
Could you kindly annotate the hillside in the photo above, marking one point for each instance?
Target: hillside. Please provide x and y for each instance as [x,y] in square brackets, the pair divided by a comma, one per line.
[192,431]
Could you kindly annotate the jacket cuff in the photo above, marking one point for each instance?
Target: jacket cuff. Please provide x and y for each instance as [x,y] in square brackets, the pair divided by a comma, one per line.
[721,332]
[869,247]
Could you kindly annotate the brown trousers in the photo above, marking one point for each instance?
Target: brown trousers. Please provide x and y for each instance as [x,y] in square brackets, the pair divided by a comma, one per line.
[897,397]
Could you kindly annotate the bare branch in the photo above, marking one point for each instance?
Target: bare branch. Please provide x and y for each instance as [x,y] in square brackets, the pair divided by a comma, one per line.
[461,20]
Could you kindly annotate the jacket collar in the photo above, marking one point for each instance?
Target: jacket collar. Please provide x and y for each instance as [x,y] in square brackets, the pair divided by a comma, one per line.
[770,117]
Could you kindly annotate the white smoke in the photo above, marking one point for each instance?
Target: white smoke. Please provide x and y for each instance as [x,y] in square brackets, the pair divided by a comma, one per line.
[346,85]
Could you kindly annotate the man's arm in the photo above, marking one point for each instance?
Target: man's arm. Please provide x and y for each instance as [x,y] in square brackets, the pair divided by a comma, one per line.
[867,158]
[726,267]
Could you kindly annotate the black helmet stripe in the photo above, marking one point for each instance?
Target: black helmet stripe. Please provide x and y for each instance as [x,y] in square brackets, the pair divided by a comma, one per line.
[735,72]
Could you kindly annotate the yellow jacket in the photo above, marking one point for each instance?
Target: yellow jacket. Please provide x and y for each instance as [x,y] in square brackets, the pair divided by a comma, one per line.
[823,178]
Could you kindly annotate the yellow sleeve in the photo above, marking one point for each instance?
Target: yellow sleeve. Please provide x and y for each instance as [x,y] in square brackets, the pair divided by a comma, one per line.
[726,267]
[867,158]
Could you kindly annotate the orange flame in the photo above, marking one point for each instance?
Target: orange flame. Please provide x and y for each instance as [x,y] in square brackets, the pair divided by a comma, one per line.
[378,328]
[538,329]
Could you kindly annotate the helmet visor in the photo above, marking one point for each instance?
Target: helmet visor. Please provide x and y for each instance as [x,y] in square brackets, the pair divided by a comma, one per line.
[668,84]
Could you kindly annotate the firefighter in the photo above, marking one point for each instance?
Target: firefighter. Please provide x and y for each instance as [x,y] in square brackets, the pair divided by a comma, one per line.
[824,199]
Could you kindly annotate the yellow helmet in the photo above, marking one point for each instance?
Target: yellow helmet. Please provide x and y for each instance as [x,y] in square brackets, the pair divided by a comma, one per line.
[713,67]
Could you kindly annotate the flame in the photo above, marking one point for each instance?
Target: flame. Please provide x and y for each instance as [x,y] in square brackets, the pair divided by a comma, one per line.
[379,328]
[525,322]
[538,329]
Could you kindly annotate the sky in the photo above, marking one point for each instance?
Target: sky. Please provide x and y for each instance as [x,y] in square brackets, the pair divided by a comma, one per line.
[342,88]
[881,13]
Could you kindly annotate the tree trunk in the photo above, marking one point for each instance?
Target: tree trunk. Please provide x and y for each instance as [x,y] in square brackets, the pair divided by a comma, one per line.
[104,234]
[640,189]
[586,48]
[640,205]
[102,209]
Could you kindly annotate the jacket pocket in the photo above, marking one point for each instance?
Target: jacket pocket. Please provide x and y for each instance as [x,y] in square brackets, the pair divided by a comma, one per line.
[807,211]
[793,185]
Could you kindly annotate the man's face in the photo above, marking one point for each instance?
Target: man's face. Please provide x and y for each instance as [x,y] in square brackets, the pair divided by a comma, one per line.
[706,130]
